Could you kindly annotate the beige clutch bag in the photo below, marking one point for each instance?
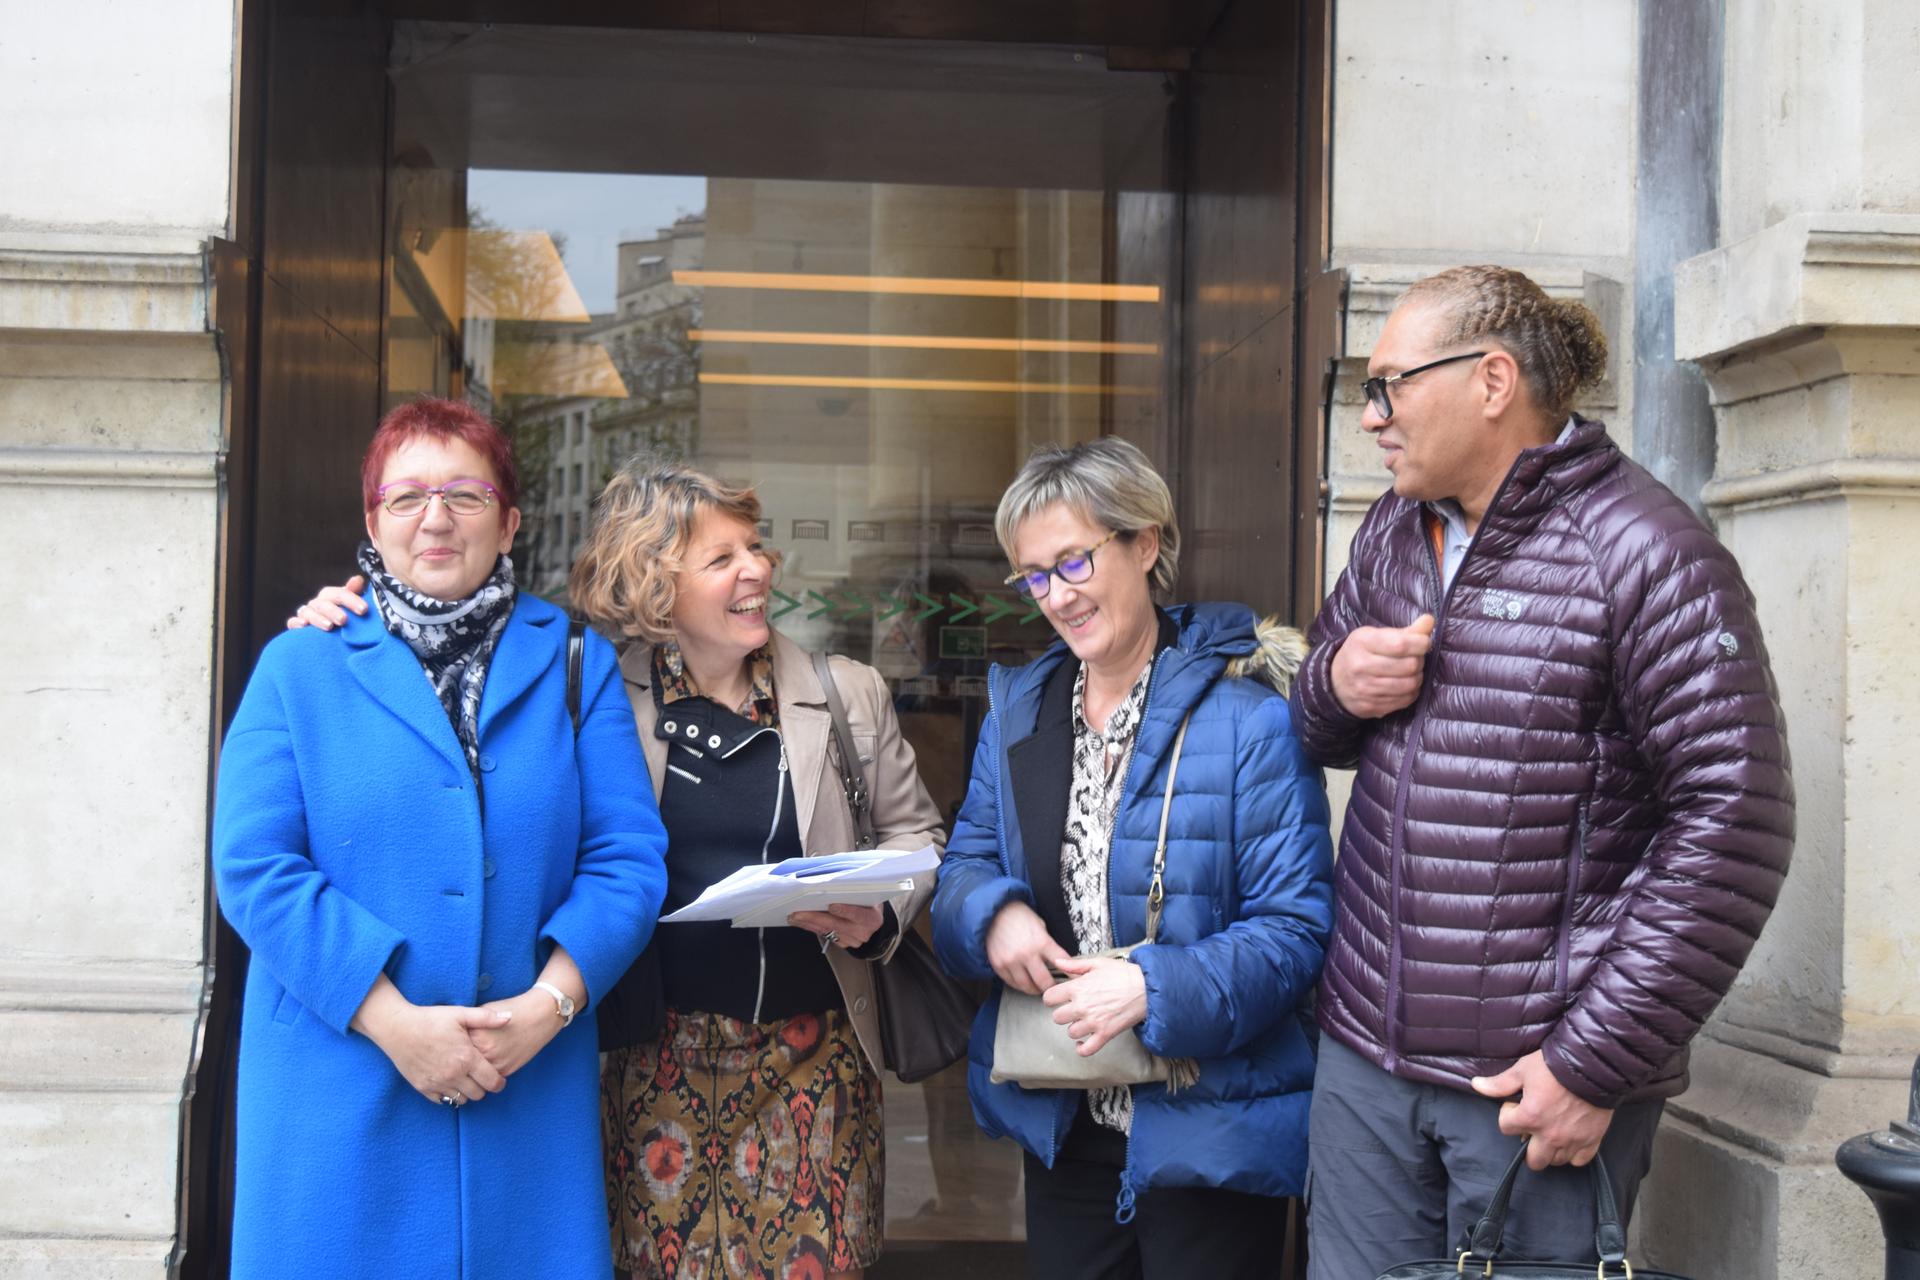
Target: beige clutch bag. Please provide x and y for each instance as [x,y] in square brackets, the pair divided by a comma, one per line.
[1033,1051]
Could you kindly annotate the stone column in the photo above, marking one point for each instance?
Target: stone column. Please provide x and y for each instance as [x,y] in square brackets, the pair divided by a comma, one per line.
[117,156]
[1809,334]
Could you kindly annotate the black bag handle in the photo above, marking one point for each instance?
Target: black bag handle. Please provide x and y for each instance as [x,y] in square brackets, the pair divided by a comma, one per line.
[1609,1239]
[576,660]
[852,780]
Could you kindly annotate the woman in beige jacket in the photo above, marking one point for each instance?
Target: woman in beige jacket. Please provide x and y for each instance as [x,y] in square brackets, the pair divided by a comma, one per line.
[742,1124]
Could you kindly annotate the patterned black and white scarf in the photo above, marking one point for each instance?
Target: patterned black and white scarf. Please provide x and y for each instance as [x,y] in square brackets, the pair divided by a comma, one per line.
[454,639]
[1100,758]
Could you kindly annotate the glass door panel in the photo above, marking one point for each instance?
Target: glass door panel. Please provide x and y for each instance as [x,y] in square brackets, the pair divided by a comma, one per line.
[875,356]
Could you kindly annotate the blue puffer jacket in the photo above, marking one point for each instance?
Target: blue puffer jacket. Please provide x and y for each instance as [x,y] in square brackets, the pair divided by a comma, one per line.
[1248,911]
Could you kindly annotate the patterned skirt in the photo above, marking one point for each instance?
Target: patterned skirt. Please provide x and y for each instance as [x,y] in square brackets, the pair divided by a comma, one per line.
[738,1149]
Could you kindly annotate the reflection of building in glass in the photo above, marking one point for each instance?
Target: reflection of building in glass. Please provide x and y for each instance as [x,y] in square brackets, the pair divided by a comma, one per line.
[647,339]
[631,374]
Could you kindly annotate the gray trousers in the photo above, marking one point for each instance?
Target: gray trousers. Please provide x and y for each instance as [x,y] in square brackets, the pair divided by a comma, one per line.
[1399,1171]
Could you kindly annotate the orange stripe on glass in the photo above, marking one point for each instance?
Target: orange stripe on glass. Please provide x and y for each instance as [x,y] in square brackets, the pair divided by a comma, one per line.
[959,288]
[920,342]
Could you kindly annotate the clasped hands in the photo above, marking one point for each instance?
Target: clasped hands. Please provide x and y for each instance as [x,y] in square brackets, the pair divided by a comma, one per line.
[1099,997]
[454,1051]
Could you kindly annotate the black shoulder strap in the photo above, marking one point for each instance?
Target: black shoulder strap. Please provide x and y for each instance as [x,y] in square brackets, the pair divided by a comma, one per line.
[576,660]
[852,780]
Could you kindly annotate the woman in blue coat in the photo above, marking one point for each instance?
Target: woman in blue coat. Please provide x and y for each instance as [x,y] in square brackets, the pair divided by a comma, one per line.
[1051,863]
[437,874]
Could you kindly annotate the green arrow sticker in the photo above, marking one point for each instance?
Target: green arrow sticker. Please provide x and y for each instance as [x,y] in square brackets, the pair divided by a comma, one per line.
[1032,615]
[861,605]
[792,604]
[963,608]
[933,607]
[898,607]
[1001,608]
[826,605]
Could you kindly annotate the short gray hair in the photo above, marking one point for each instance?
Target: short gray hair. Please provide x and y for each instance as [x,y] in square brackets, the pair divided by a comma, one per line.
[1107,482]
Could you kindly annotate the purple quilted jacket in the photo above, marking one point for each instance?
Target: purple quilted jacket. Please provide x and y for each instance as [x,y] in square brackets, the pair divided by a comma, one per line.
[1572,839]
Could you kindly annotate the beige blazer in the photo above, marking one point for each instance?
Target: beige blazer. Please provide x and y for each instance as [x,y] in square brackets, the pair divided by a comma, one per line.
[904,815]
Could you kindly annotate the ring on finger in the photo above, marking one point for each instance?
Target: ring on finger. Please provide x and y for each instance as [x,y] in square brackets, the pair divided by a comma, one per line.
[446,1100]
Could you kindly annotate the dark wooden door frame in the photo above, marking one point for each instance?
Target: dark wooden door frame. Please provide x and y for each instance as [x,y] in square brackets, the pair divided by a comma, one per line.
[1320,294]
[235,273]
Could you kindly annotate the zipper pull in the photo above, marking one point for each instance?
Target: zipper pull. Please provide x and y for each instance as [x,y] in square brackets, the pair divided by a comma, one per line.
[783,755]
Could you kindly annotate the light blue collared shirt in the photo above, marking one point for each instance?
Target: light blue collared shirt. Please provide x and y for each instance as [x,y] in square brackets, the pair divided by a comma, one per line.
[1454,520]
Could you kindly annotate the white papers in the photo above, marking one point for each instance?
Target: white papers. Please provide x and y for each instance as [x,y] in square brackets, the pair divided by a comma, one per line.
[763,896]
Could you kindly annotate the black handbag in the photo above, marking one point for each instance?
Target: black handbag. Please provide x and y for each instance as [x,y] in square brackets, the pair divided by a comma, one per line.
[1480,1253]
[925,1016]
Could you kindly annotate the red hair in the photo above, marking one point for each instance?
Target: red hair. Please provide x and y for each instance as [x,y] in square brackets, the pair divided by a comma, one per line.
[443,420]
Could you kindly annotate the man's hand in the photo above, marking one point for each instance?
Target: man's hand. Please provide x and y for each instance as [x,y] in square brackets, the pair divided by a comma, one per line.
[1104,997]
[1020,949]
[1565,1129]
[1377,670]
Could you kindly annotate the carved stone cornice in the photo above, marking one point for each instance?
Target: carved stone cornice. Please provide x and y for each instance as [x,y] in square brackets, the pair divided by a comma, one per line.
[102,986]
[1814,482]
[130,468]
[1809,272]
[103,292]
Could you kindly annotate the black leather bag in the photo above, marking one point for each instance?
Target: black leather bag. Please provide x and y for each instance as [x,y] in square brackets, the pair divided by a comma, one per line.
[925,1016]
[1479,1254]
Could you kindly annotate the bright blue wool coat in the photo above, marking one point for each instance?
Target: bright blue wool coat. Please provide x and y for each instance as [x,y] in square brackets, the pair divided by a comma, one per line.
[348,840]
[1248,910]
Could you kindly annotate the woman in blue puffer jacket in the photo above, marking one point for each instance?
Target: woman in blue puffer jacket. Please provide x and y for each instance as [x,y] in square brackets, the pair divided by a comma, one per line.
[1051,862]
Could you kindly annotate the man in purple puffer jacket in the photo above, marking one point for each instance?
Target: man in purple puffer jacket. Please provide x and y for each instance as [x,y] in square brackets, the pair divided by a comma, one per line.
[1571,810]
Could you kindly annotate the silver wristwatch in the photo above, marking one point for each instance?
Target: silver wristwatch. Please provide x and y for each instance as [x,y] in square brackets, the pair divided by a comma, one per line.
[562,1003]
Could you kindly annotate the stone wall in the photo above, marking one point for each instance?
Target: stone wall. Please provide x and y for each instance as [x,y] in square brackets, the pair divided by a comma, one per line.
[1507,132]
[1465,133]
[117,156]
[1806,323]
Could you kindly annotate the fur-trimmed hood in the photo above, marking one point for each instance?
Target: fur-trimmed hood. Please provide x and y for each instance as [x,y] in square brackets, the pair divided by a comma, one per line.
[1278,652]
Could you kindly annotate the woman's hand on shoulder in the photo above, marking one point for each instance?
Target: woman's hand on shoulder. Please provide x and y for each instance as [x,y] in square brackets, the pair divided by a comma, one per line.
[1021,951]
[329,608]
[1103,997]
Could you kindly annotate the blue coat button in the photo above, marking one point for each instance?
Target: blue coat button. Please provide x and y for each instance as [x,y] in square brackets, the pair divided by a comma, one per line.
[486,980]
[486,868]
[486,764]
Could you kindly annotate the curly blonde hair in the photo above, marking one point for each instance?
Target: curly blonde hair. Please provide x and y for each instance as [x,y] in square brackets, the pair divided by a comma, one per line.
[624,579]
[1558,344]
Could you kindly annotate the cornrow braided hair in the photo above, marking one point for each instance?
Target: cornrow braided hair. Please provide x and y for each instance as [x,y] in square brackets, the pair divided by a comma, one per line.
[1558,344]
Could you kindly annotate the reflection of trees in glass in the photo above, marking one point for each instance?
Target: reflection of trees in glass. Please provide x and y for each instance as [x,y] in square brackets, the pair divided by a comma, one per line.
[513,269]
[540,365]
[514,280]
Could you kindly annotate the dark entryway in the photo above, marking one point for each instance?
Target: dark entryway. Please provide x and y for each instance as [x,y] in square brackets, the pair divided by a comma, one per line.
[1147,144]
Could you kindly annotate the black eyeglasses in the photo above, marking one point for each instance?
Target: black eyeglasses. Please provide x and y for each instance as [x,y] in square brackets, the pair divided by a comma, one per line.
[1073,569]
[1376,388]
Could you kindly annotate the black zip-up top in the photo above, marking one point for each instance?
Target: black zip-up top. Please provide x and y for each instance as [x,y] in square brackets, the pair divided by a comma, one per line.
[727,802]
